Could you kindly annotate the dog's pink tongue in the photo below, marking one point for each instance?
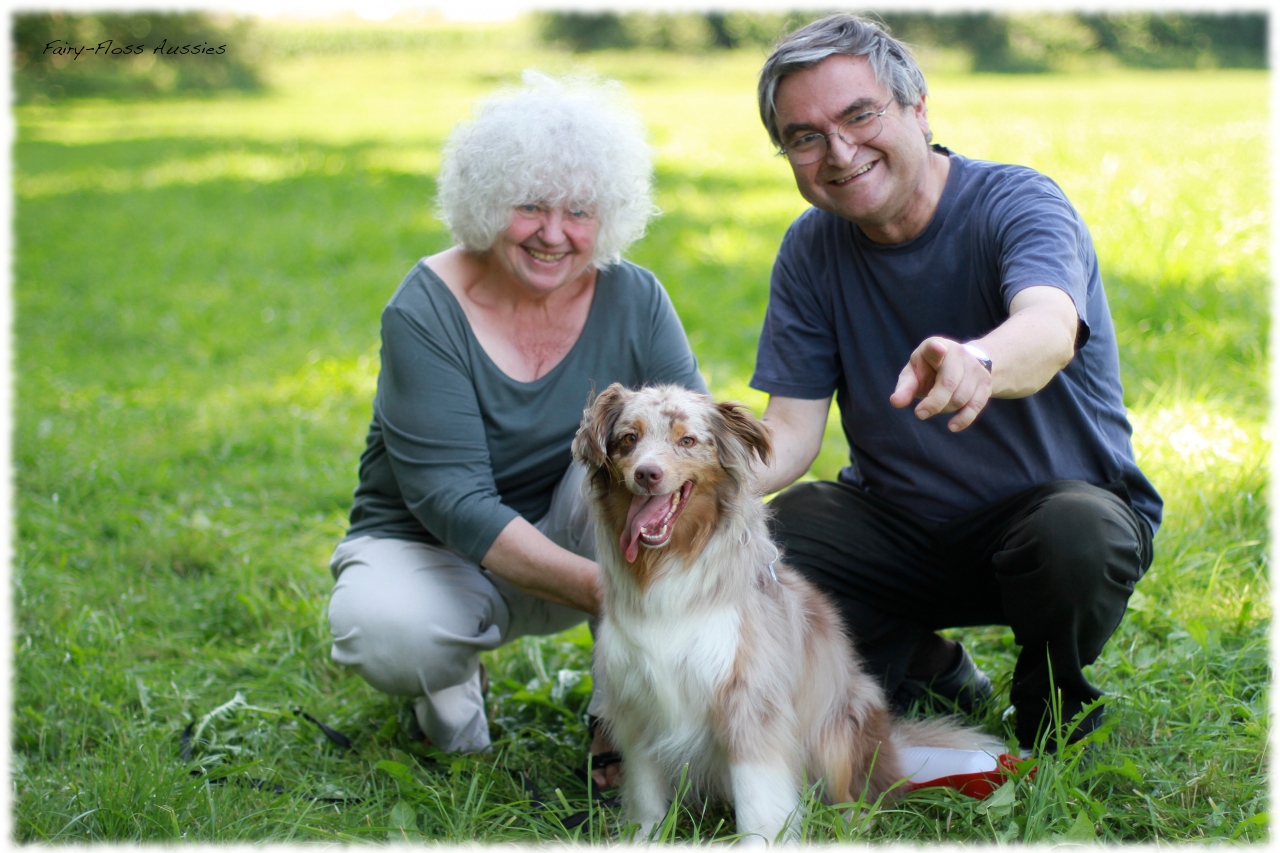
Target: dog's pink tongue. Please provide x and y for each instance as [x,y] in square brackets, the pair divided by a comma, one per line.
[645,509]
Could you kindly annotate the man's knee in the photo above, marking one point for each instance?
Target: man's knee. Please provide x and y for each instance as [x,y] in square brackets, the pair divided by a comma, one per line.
[1073,558]
[1085,534]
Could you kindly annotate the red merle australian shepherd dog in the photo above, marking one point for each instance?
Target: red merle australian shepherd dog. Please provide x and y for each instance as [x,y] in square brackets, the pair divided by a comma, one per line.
[713,652]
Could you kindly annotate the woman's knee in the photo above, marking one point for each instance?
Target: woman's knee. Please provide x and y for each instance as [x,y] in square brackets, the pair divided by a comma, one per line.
[399,647]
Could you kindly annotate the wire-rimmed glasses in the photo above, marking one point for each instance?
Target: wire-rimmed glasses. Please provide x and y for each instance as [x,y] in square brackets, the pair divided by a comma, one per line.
[812,146]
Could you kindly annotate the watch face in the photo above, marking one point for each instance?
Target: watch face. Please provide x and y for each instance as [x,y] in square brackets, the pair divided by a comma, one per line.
[982,357]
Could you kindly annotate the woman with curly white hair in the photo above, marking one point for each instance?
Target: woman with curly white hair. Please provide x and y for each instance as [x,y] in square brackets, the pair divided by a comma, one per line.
[468,527]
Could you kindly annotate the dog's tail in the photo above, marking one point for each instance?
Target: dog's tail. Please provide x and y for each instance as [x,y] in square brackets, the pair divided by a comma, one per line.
[943,732]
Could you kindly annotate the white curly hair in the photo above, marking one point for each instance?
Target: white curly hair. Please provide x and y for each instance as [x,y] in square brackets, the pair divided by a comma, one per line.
[570,141]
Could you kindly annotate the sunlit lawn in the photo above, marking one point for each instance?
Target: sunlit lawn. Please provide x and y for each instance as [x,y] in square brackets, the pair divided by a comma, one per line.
[197,288]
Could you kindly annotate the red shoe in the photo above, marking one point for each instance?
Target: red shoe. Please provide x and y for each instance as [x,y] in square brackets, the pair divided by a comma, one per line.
[971,772]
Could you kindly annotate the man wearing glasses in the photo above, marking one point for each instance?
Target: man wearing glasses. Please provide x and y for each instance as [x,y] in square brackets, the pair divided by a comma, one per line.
[954,309]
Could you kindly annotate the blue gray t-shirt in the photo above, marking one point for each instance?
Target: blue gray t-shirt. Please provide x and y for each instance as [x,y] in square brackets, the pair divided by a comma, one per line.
[845,313]
[457,448]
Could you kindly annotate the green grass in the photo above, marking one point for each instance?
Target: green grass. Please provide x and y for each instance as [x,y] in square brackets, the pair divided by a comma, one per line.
[197,288]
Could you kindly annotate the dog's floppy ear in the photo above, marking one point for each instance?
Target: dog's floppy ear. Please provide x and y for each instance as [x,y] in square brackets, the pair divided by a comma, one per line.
[738,432]
[591,444]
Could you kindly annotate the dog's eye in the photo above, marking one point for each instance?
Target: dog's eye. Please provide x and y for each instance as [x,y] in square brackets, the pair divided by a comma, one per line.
[628,439]
[688,441]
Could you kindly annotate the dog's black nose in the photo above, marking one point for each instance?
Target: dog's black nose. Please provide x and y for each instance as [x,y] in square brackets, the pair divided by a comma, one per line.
[648,475]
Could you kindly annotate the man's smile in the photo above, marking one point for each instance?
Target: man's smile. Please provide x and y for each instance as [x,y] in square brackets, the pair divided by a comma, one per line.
[842,181]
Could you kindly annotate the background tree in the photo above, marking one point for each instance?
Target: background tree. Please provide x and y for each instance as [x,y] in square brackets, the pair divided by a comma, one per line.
[1008,43]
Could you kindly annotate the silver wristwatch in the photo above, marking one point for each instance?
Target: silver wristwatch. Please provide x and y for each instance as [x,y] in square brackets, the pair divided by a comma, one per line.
[979,354]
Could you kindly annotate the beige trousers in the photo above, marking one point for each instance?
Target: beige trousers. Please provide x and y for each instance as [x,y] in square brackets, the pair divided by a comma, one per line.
[411,619]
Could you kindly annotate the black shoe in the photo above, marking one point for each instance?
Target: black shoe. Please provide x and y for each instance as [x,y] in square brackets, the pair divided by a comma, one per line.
[963,688]
[1032,733]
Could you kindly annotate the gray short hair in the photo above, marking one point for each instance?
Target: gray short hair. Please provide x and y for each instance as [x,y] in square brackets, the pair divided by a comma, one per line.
[847,35]
[557,141]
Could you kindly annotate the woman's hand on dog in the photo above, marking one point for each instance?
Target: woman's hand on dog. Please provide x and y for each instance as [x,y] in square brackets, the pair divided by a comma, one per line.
[533,564]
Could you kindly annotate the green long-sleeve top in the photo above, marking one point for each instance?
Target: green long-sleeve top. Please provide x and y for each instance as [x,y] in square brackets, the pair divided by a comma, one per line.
[457,448]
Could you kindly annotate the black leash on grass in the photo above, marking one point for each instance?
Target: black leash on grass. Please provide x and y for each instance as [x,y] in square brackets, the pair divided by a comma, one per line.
[337,737]
[604,759]
[577,818]
[185,742]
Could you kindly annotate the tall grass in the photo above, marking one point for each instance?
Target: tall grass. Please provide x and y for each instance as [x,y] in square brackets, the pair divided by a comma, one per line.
[197,290]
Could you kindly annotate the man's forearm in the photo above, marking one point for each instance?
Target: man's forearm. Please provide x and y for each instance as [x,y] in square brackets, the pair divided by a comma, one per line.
[796,428]
[788,465]
[1029,348]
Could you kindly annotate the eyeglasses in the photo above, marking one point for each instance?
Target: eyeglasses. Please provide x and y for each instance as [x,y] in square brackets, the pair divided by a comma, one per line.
[856,130]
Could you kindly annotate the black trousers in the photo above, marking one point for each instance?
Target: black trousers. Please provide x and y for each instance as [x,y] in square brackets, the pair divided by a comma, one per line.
[1056,563]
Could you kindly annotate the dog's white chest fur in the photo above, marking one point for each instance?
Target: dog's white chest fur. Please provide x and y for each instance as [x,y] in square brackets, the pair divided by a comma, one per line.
[664,675]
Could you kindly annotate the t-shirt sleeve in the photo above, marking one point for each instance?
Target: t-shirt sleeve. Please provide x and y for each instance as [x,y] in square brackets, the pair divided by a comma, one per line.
[670,359]
[1044,241]
[797,355]
[435,437]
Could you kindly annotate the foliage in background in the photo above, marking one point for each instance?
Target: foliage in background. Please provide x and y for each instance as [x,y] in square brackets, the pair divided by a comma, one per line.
[197,288]
[1018,42]
[130,54]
